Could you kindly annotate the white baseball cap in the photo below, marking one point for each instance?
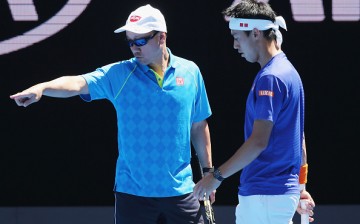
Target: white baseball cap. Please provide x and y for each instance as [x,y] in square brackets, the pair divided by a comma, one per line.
[144,20]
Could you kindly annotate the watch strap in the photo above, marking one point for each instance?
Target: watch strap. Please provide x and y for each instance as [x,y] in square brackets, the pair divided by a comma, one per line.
[208,169]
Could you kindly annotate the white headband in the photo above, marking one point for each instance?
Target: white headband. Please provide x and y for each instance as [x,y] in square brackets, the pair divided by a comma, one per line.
[260,24]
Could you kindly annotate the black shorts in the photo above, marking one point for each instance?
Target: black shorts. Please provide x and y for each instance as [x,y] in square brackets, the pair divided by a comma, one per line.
[131,209]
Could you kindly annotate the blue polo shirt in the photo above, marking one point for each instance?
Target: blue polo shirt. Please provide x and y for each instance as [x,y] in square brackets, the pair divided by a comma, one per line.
[153,123]
[276,95]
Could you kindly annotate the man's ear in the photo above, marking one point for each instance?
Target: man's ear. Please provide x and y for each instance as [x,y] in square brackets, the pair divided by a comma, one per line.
[162,37]
[255,32]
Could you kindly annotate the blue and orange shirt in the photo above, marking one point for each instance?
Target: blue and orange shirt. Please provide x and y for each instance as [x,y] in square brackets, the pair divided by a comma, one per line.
[276,95]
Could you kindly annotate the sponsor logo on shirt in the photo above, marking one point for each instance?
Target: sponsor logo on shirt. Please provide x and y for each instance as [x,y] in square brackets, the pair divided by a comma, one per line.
[266,93]
[179,81]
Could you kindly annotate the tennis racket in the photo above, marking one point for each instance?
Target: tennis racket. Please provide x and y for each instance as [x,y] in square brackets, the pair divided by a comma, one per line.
[209,212]
[304,217]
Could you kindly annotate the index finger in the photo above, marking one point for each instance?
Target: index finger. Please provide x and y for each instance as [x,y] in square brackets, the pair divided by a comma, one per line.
[19,95]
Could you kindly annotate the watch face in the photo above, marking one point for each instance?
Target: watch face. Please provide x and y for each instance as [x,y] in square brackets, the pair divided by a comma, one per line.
[217,175]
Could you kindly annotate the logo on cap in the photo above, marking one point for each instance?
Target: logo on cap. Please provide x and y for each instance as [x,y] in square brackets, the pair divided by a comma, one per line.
[134,19]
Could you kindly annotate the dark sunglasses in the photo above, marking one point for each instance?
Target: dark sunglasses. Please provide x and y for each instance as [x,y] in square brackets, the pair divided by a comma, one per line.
[141,41]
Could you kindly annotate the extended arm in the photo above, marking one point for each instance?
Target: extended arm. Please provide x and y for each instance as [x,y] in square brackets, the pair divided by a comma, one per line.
[63,87]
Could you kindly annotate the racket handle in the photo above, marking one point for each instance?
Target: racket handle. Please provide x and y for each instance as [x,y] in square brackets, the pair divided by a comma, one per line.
[304,217]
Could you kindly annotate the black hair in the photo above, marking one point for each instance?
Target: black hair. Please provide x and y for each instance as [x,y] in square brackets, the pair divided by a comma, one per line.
[252,9]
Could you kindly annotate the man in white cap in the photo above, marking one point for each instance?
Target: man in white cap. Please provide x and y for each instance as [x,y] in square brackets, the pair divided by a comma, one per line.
[162,107]
[273,157]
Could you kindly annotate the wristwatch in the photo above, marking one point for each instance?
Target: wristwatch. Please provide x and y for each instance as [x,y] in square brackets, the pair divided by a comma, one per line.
[217,175]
